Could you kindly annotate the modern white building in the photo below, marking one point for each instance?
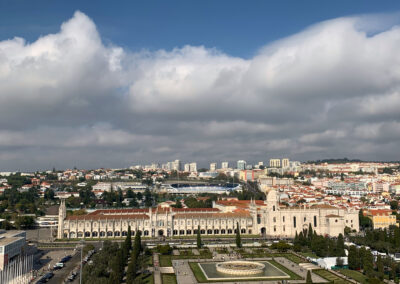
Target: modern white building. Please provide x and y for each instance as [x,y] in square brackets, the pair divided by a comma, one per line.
[274,163]
[12,244]
[225,165]
[186,168]
[213,167]
[193,167]
[285,163]
[241,165]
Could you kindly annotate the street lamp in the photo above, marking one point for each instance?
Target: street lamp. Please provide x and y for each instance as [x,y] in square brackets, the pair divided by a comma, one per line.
[80,274]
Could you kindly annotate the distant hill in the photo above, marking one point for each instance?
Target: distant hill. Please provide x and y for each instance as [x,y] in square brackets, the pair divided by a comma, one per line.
[335,161]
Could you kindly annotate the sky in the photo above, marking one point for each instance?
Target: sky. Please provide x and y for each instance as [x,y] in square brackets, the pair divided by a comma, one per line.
[93,84]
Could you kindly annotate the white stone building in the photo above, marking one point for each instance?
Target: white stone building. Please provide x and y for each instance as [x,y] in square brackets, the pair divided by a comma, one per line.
[267,218]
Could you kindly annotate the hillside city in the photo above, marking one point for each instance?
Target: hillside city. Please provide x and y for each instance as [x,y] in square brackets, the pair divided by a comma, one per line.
[336,214]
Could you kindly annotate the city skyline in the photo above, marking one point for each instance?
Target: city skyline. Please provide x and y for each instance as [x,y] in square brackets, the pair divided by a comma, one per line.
[71,96]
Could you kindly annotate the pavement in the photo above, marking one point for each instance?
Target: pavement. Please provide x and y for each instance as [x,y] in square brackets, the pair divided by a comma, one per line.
[157,272]
[184,274]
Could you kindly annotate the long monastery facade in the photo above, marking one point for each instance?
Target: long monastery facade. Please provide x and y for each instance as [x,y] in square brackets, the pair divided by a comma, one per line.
[266,218]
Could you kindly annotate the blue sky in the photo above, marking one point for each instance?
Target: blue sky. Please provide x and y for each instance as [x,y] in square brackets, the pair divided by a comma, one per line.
[238,28]
[93,84]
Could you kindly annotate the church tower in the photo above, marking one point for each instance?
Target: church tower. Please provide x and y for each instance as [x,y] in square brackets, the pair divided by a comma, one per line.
[272,201]
[62,213]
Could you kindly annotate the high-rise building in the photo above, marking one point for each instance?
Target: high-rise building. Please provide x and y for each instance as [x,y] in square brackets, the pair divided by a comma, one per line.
[274,163]
[176,165]
[241,165]
[193,167]
[285,163]
[213,167]
[187,167]
[225,165]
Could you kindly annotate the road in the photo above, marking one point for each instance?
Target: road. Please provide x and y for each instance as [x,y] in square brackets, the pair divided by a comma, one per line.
[61,274]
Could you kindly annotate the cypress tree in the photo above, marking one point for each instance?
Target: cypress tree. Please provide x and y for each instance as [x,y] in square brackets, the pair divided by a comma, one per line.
[308,278]
[340,246]
[198,237]
[238,239]
[379,265]
[128,240]
[131,272]
[368,263]
[353,258]
[310,234]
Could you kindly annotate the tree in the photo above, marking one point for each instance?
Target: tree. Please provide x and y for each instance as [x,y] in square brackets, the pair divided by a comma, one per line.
[24,222]
[308,278]
[379,265]
[132,270]
[394,205]
[238,239]
[198,237]
[368,263]
[310,234]
[340,246]
[178,204]
[353,258]
[49,194]
[339,261]
[128,240]
[365,222]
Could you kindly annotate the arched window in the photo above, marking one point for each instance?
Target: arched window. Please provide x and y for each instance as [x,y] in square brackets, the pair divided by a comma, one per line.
[294,222]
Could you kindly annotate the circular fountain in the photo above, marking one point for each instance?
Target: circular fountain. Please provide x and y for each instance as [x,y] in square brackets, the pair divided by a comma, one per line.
[239,267]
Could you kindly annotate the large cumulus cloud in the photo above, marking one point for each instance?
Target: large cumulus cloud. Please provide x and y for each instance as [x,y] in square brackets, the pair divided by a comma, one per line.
[68,99]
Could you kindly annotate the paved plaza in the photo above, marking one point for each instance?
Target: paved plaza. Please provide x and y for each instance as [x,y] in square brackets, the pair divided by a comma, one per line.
[185,275]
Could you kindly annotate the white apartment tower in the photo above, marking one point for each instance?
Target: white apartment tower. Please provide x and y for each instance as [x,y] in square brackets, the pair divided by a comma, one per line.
[193,167]
[274,163]
[213,167]
[241,165]
[225,165]
[285,163]
[187,168]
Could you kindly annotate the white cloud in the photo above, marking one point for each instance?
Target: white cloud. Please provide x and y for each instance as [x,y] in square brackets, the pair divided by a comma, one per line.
[329,91]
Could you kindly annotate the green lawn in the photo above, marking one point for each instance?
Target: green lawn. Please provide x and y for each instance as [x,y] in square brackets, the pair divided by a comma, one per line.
[168,279]
[331,277]
[145,279]
[293,276]
[309,254]
[165,260]
[356,275]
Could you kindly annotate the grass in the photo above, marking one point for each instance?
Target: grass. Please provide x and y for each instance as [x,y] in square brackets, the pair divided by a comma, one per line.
[149,260]
[165,260]
[201,278]
[331,277]
[168,279]
[308,254]
[145,279]
[293,258]
[293,276]
[356,275]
